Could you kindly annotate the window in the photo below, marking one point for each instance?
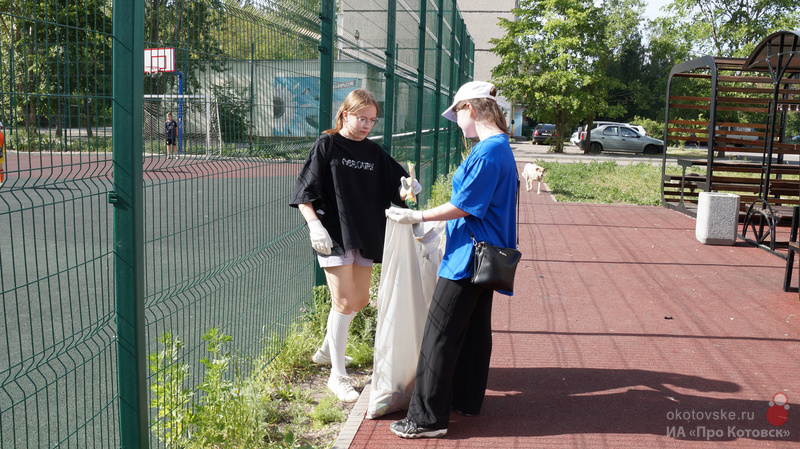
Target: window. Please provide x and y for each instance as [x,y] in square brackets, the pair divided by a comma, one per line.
[627,132]
[611,131]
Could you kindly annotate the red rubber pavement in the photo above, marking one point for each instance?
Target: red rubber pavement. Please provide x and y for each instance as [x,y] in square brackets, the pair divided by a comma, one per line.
[625,331]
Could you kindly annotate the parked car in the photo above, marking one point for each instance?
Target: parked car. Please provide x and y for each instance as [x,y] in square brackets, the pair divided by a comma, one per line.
[617,137]
[543,133]
[730,132]
[576,137]
[639,128]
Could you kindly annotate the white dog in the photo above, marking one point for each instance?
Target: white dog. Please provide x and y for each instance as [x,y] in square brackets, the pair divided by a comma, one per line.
[533,172]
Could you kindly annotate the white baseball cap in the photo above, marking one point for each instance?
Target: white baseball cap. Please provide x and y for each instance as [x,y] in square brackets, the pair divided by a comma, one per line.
[469,91]
[1,124]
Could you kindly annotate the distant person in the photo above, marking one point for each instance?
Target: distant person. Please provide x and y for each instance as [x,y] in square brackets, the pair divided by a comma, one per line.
[342,190]
[2,155]
[453,365]
[171,128]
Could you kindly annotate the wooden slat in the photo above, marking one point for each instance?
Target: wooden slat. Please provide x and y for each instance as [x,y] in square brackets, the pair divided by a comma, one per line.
[703,131]
[687,138]
[706,107]
[756,90]
[702,107]
[743,100]
[745,125]
[735,180]
[744,79]
[742,109]
[690,122]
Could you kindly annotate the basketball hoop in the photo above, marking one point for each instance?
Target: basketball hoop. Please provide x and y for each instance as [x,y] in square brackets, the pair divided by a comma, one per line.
[158,60]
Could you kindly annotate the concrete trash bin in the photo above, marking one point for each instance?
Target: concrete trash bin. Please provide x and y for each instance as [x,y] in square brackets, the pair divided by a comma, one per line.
[717,218]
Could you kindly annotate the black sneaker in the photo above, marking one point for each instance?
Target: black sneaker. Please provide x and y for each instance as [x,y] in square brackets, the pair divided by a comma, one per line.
[406,428]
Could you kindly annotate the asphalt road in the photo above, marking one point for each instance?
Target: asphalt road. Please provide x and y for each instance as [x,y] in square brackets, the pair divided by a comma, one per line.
[528,151]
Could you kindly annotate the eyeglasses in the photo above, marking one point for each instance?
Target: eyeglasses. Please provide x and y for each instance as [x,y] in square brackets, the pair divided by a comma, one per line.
[366,120]
[458,108]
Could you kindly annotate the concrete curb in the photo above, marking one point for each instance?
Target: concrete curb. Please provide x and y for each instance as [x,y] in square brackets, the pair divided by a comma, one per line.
[354,420]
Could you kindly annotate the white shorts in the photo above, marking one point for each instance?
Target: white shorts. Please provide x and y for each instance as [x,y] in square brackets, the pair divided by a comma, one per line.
[349,258]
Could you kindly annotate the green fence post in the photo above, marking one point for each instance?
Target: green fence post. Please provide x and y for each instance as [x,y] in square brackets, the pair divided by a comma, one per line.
[252,93]
[391,55]
[128,74]
[455,55]
[127,197]
[437,117]
[327,20]
[423,14]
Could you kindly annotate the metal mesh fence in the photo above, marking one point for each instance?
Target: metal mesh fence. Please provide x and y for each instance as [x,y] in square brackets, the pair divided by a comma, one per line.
[212,240]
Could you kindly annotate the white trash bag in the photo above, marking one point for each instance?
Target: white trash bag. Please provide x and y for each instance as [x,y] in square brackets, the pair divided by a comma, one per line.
[411,258]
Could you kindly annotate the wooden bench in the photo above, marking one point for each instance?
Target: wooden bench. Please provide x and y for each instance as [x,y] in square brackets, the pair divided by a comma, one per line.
[760,214]
[741,178]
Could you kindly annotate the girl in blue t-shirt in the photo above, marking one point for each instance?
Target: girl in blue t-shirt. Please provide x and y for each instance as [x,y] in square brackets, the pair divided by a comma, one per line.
[453,365]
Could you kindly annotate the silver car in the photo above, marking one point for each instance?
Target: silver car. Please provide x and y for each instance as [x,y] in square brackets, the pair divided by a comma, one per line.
[622,138]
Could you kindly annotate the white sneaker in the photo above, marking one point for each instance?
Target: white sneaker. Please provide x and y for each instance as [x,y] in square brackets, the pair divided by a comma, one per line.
[340,385]
[323,359]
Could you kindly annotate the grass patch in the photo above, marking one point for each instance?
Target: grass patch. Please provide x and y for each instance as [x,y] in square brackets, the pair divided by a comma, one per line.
[282,403]
[687,151]
[606,182]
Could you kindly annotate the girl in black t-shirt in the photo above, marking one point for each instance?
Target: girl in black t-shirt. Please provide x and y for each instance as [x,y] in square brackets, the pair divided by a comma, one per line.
[342,191]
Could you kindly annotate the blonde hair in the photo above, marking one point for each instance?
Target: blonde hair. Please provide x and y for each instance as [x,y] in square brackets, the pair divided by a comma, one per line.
[356,100]
[486,109]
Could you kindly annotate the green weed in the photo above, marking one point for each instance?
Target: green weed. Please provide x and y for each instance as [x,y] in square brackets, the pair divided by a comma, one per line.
[327,411]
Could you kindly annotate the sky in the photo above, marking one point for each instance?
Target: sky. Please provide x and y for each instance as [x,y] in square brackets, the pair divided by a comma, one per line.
[653,6]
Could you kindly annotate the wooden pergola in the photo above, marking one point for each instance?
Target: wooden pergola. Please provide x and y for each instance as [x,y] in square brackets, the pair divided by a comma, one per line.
[764,86]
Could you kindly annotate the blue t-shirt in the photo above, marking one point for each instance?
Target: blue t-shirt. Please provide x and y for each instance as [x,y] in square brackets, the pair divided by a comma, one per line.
[485,186]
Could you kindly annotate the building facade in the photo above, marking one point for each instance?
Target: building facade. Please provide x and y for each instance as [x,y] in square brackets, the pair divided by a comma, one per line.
[481,18]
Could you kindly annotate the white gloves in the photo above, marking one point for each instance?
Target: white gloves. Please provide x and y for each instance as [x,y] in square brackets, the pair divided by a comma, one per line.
[404,216]
[405,186]
[320,239]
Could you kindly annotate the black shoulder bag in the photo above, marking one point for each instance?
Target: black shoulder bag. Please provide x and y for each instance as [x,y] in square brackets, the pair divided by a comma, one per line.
[494,267]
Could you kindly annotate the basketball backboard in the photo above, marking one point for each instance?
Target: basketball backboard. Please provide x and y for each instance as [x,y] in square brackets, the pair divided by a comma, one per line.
[159,60]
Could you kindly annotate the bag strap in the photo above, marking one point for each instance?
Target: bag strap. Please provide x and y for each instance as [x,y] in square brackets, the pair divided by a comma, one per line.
[517,218]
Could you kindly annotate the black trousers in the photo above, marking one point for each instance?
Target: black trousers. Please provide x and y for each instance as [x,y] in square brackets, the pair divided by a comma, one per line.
[453,365]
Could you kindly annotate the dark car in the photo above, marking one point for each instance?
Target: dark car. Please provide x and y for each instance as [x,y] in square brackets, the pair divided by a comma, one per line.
[543,133]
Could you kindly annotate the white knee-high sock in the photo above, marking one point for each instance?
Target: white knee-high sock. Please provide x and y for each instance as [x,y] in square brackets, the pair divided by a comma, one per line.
[325,348]
[338,326]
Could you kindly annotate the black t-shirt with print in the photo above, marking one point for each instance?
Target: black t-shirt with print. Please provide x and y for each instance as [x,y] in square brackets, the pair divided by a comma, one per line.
[350,184]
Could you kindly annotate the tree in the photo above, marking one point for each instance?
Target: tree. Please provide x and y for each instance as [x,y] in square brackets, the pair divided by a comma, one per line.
[554,58]
[728,27]
[62,54]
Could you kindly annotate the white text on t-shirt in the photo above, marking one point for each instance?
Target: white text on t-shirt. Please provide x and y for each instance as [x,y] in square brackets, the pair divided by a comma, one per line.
[360,165]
